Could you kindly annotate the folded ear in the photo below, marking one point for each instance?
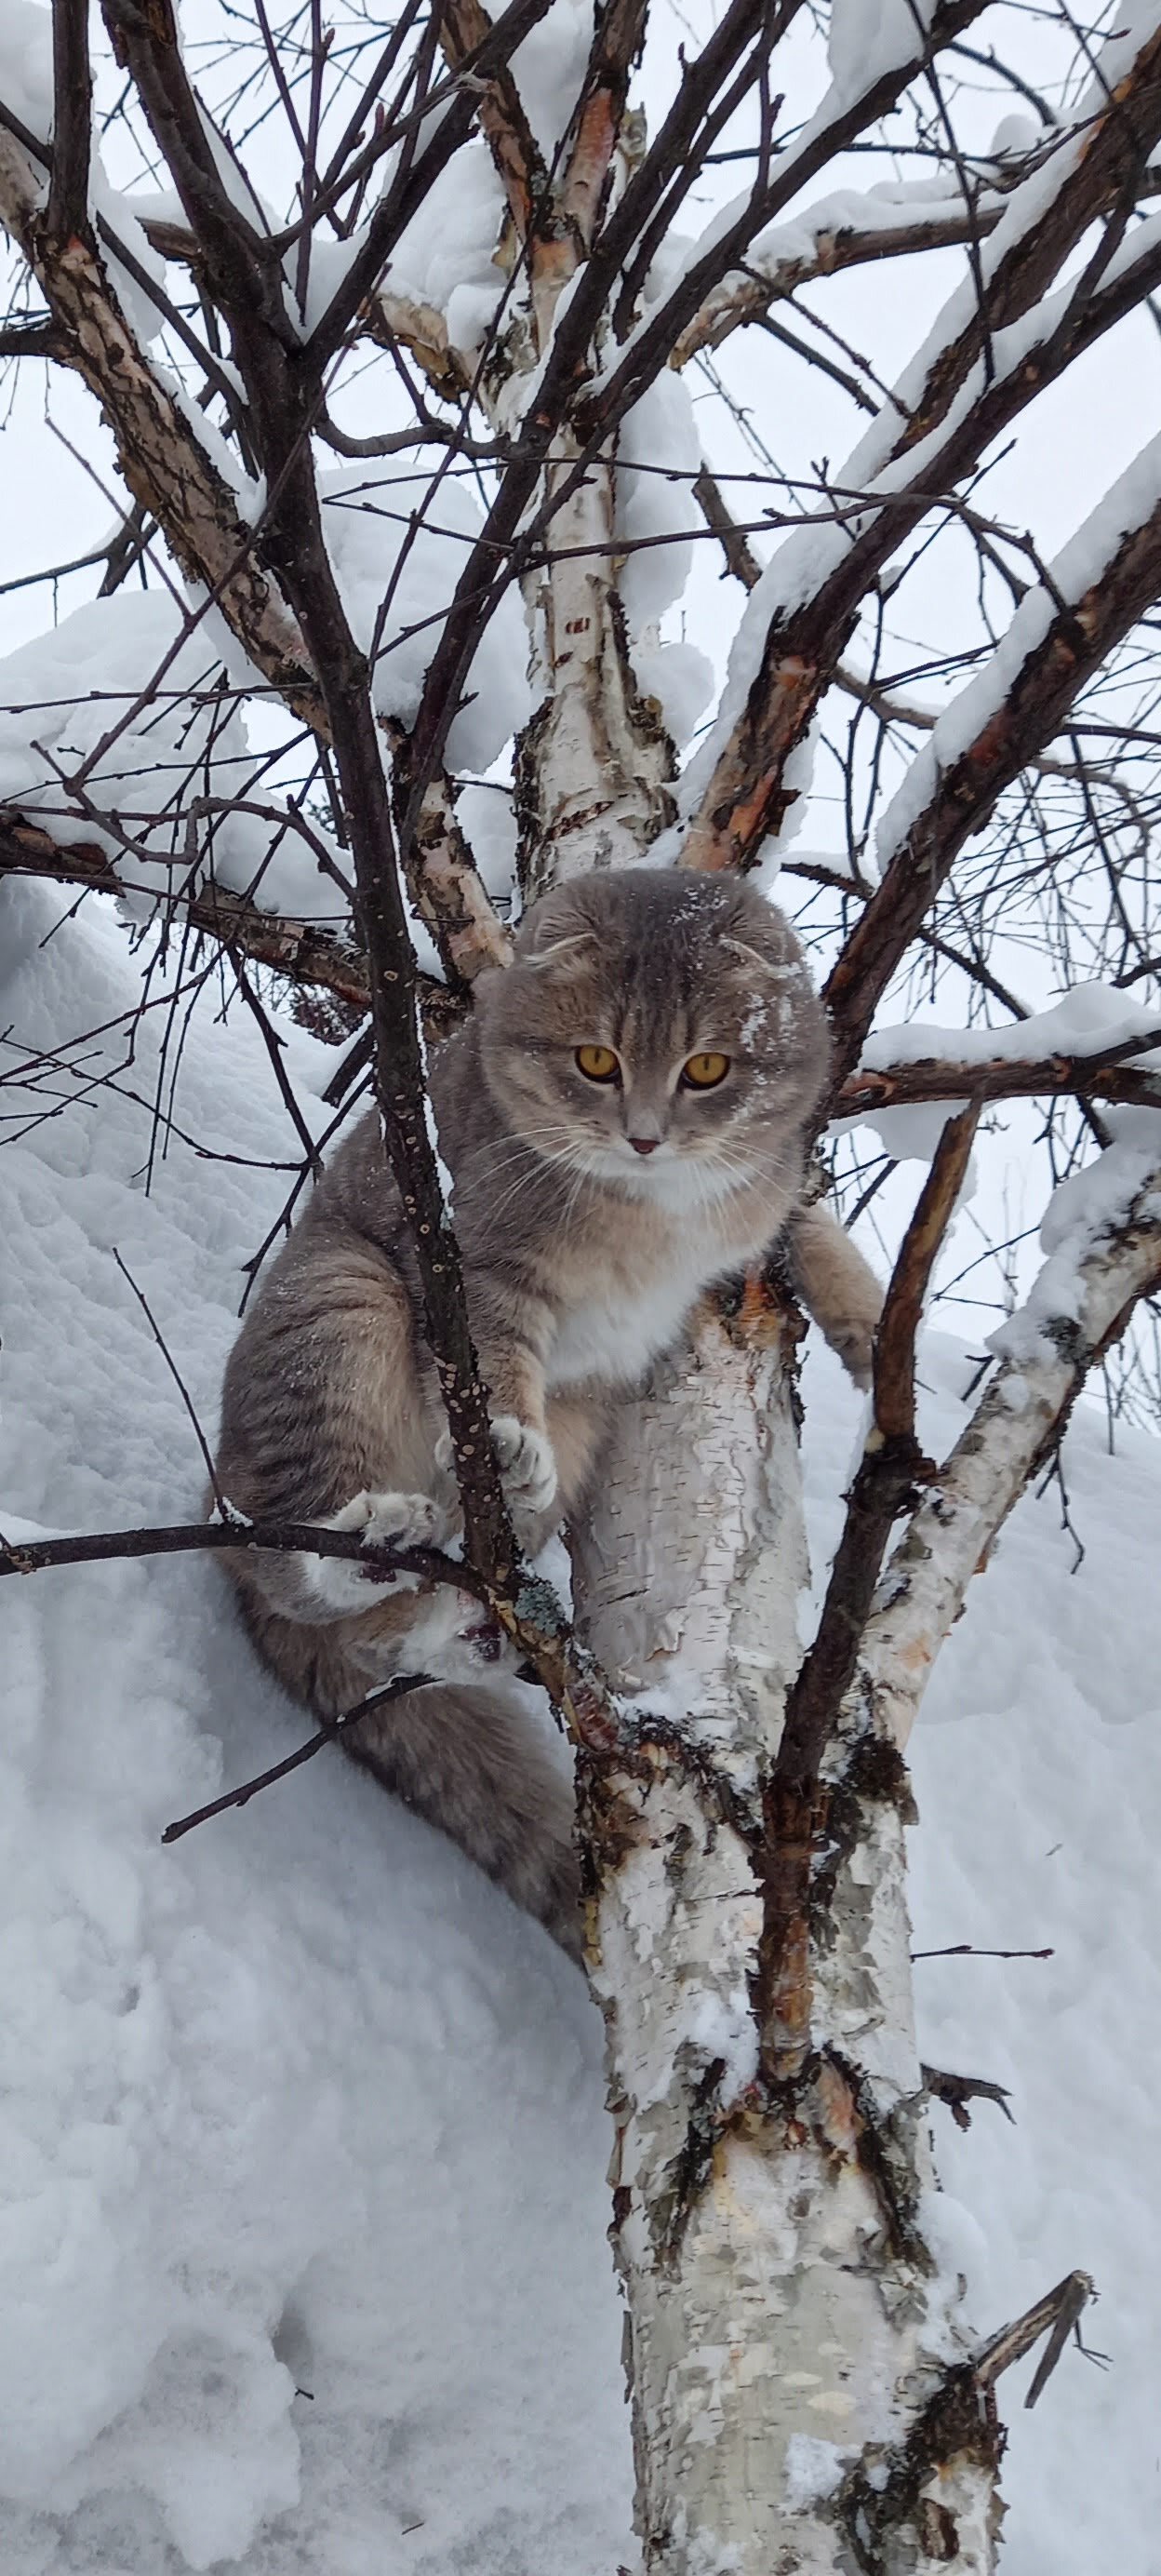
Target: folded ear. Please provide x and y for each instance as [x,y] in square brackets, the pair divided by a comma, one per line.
[555,927]
[555,949]
[782,967]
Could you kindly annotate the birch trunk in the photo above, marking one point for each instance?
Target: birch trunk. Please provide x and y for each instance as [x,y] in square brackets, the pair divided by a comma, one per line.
[785,2332]
[787,2341]
[595,763]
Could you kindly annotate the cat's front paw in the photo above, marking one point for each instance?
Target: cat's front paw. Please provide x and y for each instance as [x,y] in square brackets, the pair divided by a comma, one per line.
[855,1345]
[380,1520]
[527,1467]
[526,1463]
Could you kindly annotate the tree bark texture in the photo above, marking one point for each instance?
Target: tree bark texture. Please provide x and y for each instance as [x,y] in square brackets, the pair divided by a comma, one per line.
[785,2329]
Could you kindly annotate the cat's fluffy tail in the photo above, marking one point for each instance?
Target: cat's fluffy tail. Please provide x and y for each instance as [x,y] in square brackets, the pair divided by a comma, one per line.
[470,1757]
[472,1762]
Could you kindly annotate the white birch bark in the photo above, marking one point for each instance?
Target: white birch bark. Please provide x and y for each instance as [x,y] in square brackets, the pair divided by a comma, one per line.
[781,2332]
[596,760]
[802,2383]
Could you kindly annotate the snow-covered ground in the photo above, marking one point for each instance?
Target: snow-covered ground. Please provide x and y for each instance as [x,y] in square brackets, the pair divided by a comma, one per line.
[302,2147]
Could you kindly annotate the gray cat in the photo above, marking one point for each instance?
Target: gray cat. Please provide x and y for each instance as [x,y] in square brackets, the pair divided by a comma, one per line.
[622,1117]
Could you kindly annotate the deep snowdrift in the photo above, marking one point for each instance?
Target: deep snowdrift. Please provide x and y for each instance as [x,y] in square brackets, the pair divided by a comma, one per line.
[300,2104]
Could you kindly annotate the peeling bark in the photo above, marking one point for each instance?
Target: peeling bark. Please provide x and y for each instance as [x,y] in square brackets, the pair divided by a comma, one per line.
[595,763]
[164,464]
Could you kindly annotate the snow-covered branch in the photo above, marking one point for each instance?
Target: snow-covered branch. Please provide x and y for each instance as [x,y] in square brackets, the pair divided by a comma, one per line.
[166,461]
[991,353]
[1103,1236]
[1106,579]
[847,230]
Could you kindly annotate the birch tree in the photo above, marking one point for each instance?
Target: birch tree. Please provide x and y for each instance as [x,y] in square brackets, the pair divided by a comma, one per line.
[429,351]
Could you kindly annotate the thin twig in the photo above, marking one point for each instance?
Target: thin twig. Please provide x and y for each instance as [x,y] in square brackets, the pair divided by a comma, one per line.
[207,1455]
[968,1950]
[331,1731]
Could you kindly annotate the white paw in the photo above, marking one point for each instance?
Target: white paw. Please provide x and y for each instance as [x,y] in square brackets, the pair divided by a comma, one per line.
[381,1520]
[855,1345]
[526,1464]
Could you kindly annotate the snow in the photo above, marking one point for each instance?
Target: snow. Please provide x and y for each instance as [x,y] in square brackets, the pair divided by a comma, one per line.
[658,458]
[1089,1019]
[659,438]
[912,1134]
[300,2104]
[444,258]
[1082,1209]
[682,680]
[549,70]
[813,2468]
[486,812]
[64,693]
[26,65]
[381,558]
[306,2106]
[869,38]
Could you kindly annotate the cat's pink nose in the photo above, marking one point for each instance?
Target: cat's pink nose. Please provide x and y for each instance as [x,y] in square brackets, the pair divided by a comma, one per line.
[644,1144]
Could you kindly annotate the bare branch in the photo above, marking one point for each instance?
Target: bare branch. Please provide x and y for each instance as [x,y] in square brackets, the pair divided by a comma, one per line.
[331,1731]
[67,216]
[891,1468]
[1069,649]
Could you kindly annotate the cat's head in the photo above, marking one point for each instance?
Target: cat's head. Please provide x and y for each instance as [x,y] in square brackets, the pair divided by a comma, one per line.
[658,1030]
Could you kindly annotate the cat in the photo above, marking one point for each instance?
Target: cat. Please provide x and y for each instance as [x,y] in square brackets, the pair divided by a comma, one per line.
[623,1119]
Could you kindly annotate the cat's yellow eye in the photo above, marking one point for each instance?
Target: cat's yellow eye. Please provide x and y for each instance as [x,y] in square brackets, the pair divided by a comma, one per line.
[599,1063]
[704,1072]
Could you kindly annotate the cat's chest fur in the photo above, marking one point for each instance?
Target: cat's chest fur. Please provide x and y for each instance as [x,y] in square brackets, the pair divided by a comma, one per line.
[631,1290]
[614,1337]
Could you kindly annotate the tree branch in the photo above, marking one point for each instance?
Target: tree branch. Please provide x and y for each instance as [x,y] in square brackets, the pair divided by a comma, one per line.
[1103,1075]
[464,28]
[891,1468]
[745,798]
[331,1731]
[228,1537]
[834,245]
[1017,1424]
[164,464]
[67,217]
[1031,704]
